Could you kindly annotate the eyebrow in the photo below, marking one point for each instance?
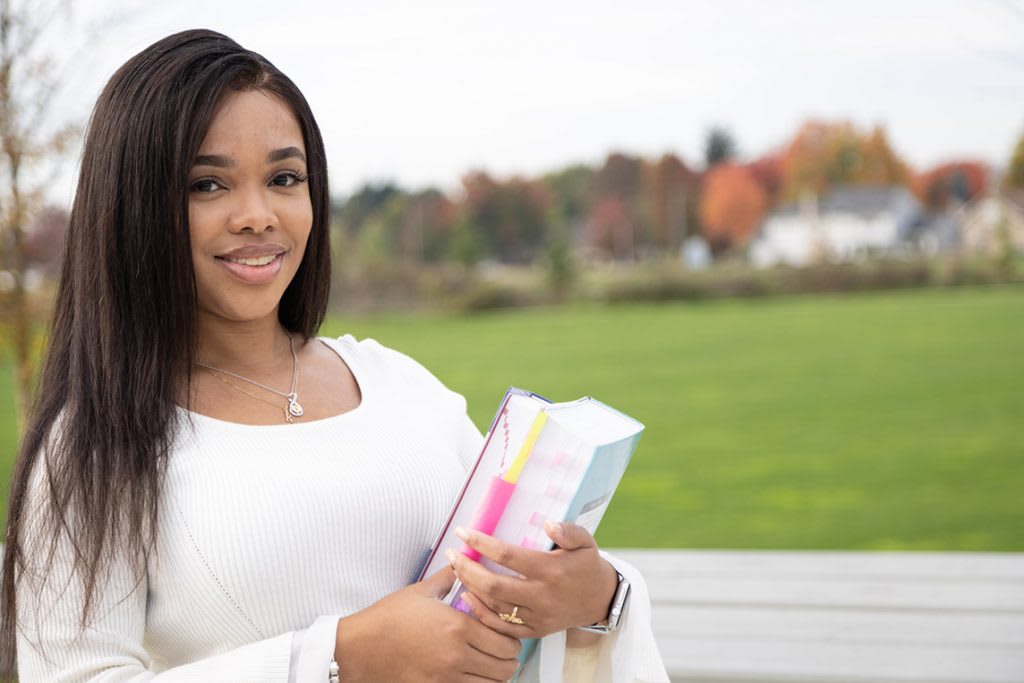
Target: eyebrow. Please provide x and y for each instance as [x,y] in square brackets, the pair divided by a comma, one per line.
[286,153]
[221,161]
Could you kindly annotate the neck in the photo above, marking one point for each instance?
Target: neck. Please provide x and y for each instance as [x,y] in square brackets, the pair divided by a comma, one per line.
[243,347]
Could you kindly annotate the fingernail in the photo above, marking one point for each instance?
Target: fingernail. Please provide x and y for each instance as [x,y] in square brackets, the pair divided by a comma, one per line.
[552,527]
[450,556]
[461,533]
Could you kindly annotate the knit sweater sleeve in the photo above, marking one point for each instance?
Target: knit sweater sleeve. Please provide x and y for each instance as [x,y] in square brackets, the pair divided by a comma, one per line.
[53,647]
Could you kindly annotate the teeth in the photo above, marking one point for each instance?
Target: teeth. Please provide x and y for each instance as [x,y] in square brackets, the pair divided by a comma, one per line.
[261,261]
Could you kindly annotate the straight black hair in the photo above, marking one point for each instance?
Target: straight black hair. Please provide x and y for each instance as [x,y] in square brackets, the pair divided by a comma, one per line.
[122,340]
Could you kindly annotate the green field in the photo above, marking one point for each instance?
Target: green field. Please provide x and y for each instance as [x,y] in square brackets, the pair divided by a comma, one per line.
[890,421]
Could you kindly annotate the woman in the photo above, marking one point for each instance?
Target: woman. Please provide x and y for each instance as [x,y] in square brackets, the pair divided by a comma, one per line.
[207,491]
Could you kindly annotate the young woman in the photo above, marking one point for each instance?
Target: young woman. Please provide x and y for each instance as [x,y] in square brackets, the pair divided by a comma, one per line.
[209,492]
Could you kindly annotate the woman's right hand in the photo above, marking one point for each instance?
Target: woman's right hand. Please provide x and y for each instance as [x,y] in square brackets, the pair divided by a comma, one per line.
[412,636]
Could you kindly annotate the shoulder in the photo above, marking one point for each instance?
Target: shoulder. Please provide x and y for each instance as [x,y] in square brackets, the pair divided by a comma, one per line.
[371,359]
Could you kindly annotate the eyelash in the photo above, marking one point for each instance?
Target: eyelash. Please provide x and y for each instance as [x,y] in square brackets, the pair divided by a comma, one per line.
[294,176]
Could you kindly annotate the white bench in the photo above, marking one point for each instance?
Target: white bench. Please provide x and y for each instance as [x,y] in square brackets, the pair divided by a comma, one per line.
[751,616]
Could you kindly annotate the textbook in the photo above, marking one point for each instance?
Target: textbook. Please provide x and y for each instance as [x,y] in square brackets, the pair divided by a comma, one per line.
[540,461]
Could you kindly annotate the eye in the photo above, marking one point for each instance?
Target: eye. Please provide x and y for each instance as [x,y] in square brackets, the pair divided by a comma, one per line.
[287,179]
[206,185]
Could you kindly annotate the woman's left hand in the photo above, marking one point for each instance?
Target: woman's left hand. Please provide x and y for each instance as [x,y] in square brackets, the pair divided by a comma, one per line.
[570,586]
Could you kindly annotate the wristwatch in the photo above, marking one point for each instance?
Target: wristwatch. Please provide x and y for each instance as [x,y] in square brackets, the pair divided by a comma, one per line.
[611,623]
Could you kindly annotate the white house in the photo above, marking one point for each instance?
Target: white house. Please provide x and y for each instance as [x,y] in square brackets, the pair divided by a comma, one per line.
[992,223]
[845,223]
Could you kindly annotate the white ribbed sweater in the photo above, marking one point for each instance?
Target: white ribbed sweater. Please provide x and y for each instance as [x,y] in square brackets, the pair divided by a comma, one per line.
[268,534]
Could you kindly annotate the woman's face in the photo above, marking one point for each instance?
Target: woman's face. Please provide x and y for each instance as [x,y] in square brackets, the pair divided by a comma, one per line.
[249,209]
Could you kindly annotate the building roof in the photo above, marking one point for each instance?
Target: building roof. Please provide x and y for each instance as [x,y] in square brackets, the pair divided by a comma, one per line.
[865,201]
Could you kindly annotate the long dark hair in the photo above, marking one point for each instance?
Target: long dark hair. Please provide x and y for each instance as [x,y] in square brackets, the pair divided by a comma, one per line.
[123,335]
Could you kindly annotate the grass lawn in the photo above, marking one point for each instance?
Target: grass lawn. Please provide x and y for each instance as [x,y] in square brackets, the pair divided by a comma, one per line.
[885,421]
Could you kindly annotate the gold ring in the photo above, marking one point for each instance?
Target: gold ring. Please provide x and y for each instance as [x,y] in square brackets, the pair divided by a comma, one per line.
[511,618]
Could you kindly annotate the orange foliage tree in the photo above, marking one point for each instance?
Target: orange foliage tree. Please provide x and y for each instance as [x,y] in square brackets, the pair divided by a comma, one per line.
[731,207]
[955,180]
[768,172]
[823,154]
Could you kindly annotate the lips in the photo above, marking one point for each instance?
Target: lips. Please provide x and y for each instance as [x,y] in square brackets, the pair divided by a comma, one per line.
[254,264]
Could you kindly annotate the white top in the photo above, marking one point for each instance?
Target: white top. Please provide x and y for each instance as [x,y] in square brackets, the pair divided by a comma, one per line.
[268,534]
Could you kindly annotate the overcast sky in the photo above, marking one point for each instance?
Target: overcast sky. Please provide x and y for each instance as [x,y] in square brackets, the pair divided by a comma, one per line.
[421,92]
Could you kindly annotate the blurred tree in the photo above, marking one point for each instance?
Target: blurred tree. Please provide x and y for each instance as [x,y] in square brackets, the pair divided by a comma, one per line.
[719,147]
[570,191]
[427,226]
[44,242]
[731,208]
[619,215]
[1014,178]
[822,155]
[379,240]
[768,172]
[672,194]
[354,211]
[466,247]
[508,217]
[953,181]
[558,260]
[611,229]
[29,139]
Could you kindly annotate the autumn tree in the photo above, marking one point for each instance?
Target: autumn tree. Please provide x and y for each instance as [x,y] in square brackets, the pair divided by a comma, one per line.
[610,228]
[428,225]
[731,207]
[768,172]
[955,181]
[30,139]
[508,216]
[672,191]
[822,155]
[619,218]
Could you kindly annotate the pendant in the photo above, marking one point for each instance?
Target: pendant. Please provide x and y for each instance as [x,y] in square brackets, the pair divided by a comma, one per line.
[294,407]
[288,417]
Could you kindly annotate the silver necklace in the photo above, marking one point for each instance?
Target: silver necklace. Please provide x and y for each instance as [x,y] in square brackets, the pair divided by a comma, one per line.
[294,407]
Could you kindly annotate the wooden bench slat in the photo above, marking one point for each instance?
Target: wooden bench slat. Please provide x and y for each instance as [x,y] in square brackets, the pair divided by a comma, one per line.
[764,660]
[811,564]
[836,617]
[1001,597]
[815,626]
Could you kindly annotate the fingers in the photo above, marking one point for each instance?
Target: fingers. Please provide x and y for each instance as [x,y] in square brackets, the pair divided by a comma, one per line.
[569,536]
[494,644]
[484,583]
[519,560]
[490,655]
[439,583]
[489,618]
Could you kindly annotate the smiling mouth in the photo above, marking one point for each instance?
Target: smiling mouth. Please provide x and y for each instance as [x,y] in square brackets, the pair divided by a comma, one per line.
[253,270]
[254,261]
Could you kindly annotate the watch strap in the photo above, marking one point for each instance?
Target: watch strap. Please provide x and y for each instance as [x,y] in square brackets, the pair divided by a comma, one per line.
[618,606]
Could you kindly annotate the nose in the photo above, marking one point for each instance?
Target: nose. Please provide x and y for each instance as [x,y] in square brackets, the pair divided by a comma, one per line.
[252,212]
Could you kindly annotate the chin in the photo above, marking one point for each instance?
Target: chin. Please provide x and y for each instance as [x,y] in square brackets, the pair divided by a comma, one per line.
[236,313]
